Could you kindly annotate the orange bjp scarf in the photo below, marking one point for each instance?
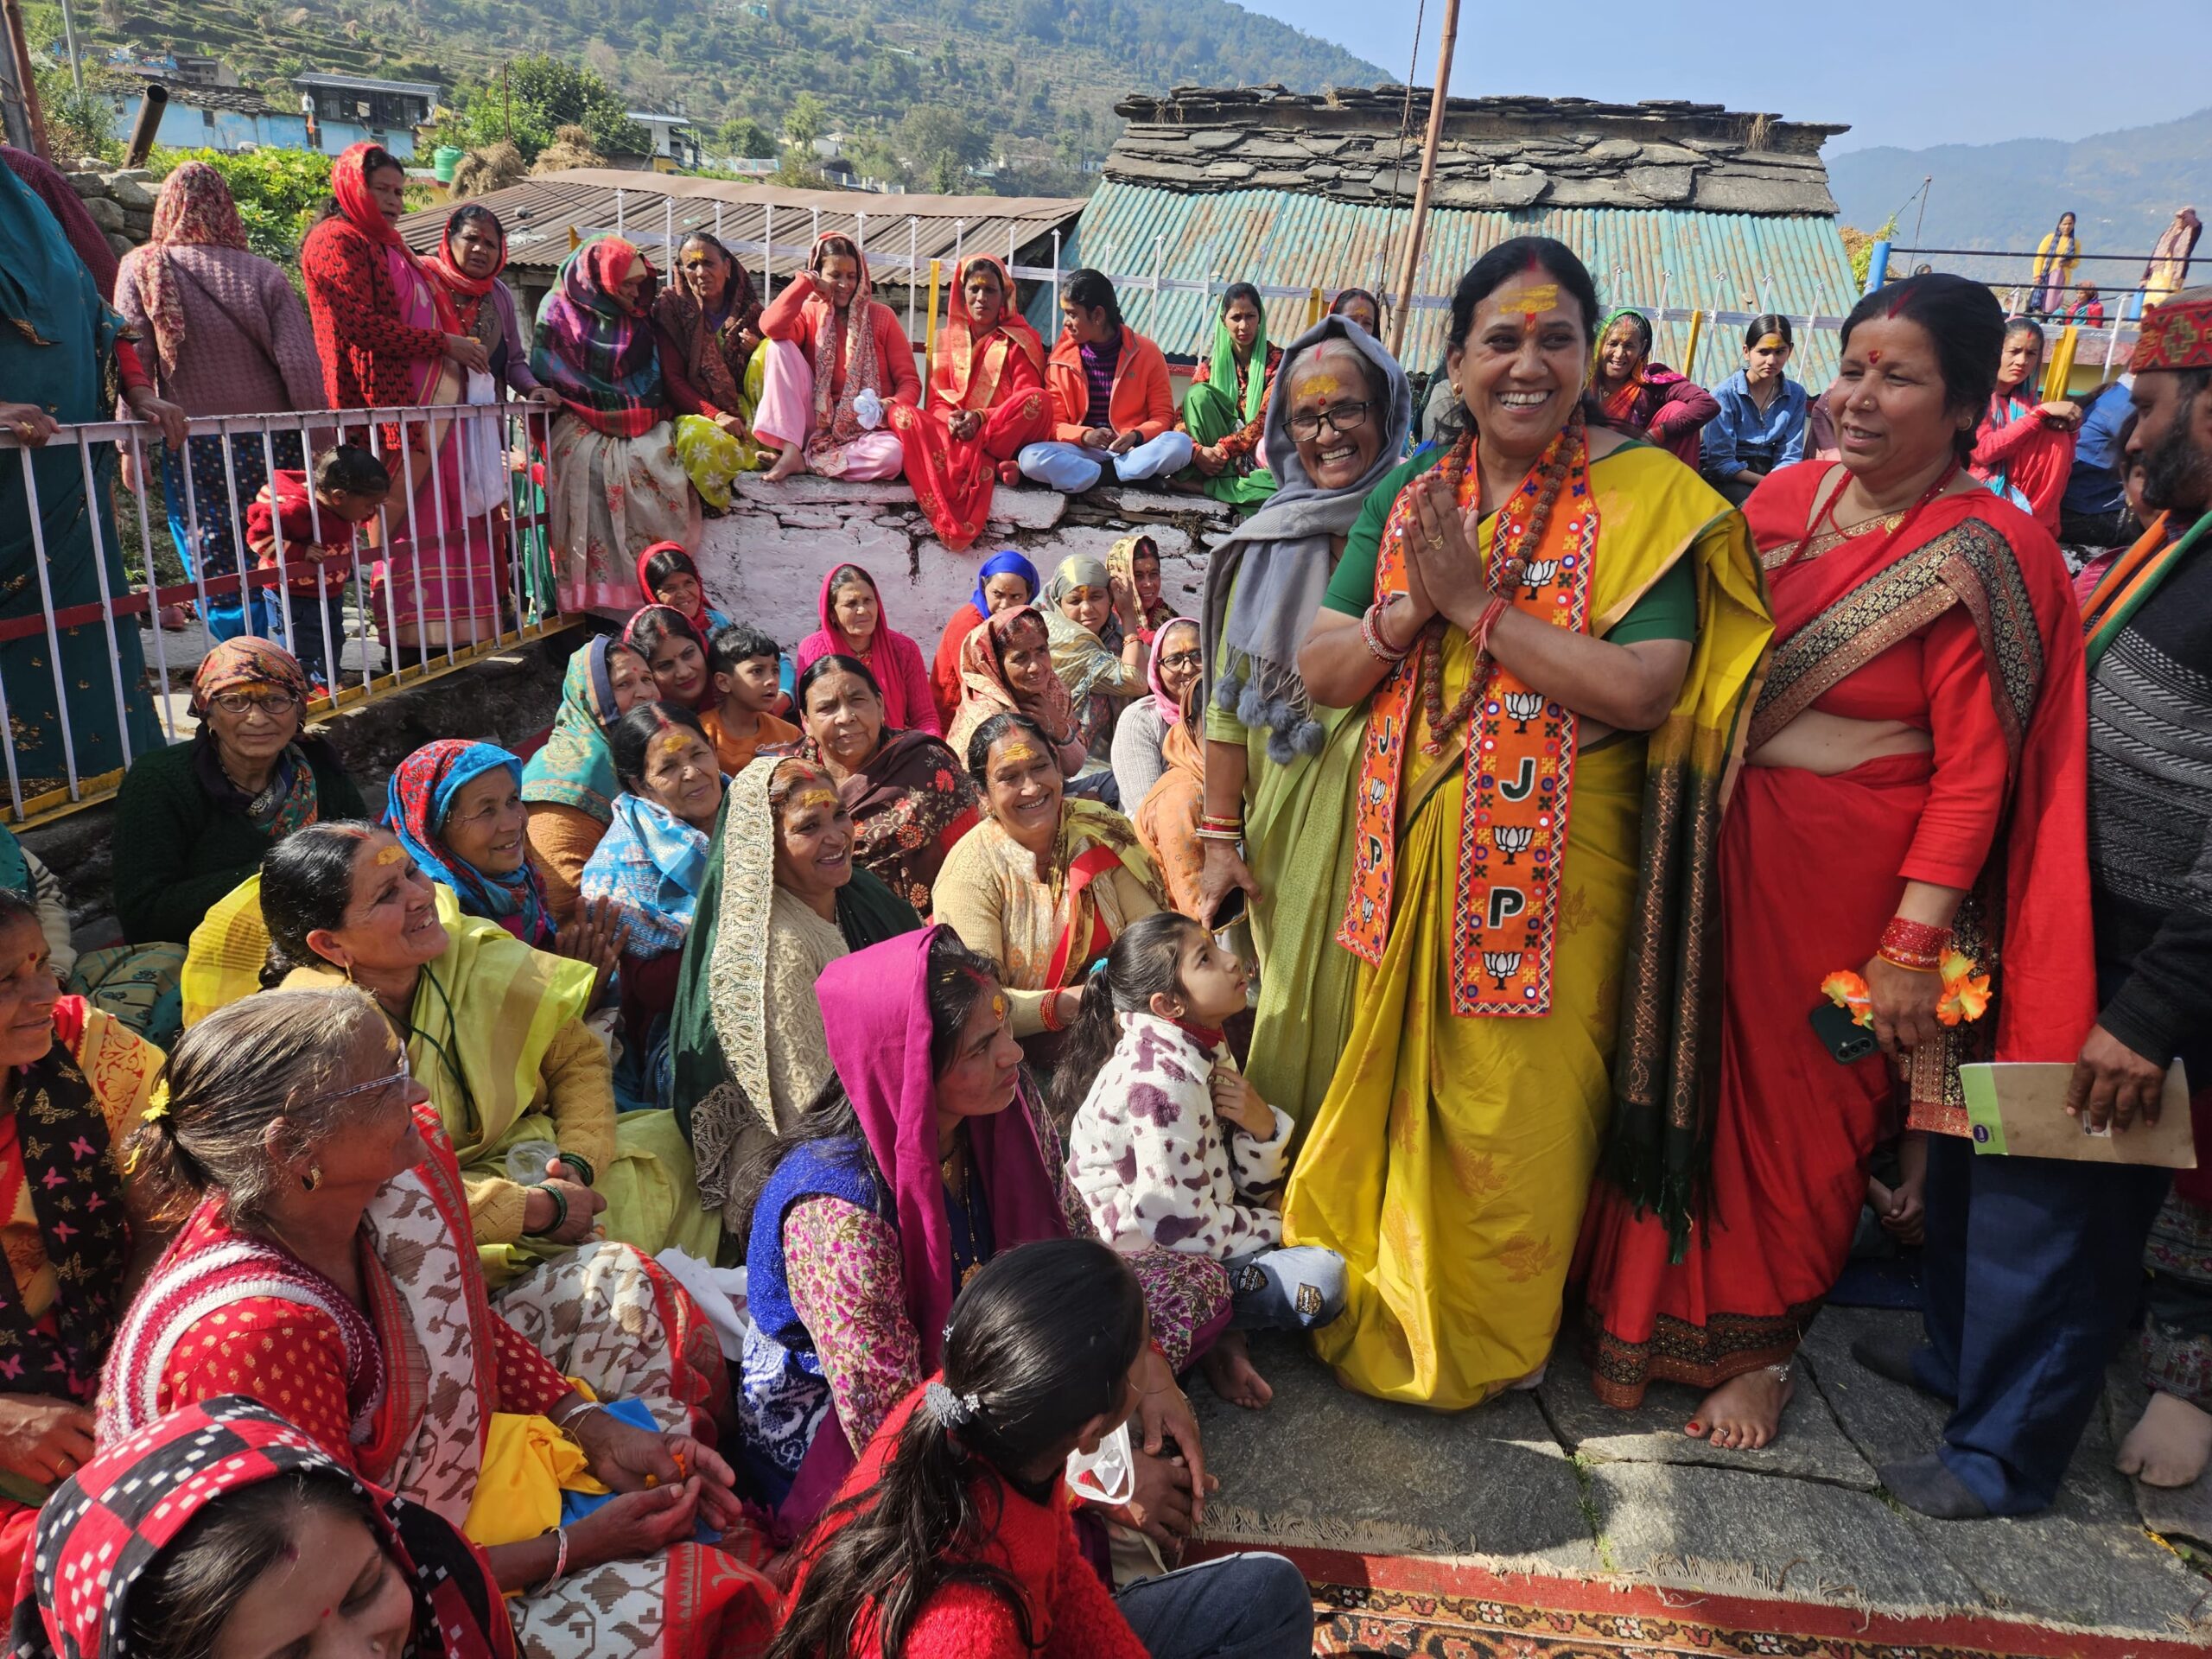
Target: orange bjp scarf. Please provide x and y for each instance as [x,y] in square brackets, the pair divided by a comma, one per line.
[1520,747]
[968,366]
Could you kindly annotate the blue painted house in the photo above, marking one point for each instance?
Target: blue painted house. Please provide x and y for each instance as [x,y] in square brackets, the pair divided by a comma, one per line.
[332,113]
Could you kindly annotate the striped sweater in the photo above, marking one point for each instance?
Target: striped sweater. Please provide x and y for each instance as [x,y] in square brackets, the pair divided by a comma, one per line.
[2150,823]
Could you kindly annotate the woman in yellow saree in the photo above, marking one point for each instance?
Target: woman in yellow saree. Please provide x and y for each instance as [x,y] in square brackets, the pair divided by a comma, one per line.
[495,1031]
[1552,633]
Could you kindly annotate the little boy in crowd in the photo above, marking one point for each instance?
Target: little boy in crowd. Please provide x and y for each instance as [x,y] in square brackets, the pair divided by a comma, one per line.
[744,662]
[316,528]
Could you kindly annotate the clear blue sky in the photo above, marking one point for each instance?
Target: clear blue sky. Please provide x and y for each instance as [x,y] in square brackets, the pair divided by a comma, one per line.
[1910,72]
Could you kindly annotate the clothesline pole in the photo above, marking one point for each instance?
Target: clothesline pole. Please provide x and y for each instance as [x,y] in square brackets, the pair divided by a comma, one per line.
[959,235]
[668,230]
[618,211]
[860,234]
[718,221]
[768,255]
[1056,273]
[914,271]
[1439,94]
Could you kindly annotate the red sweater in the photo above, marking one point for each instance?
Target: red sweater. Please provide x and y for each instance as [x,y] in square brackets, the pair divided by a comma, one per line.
[1072,1614]
[1142,402]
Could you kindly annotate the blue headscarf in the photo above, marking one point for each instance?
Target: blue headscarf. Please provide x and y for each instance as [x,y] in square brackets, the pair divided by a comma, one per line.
[422,794]
[997,565]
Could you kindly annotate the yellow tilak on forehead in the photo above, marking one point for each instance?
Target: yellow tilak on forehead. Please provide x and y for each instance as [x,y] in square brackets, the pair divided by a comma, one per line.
[1771,343]
[672,743]
[1323,384]
[998,1006]
[394,854]
[1532,300]
[814,798]
[1019,754]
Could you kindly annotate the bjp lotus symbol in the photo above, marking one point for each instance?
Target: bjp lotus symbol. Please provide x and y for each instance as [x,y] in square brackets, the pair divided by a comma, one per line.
[1537,574]
[1511,838]
[1524,706]
[1501,965]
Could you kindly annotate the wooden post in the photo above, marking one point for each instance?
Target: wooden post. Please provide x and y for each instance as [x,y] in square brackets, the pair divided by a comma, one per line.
[929,342]
[1438,97]
[26,83]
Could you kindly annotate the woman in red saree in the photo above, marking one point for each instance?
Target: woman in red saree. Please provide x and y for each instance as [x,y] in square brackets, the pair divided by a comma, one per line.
[1915,779]
[2023,448]
[388,335]
[327,1268]
[986,400]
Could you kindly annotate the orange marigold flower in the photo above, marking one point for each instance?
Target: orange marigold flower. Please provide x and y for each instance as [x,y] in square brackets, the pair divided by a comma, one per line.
[1965,998]
[1847,990]
[1955,963]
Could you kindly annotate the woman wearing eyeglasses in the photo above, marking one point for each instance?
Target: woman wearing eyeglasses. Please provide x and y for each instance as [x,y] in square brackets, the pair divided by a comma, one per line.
[1173,666]
[197,818]
[1278,768]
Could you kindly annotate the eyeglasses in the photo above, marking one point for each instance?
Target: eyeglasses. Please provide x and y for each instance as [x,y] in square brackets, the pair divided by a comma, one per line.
[1345,417]
[239,702]
[374,1083]
[1182,659]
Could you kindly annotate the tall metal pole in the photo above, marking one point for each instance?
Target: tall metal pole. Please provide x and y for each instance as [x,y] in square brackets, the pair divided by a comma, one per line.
[69,34]
[1437,98]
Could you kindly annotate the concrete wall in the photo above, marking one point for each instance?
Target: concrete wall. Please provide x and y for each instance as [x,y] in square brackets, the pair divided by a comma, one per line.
[764,560]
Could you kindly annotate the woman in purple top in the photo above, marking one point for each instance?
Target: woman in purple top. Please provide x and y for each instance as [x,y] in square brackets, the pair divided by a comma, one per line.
[221,331]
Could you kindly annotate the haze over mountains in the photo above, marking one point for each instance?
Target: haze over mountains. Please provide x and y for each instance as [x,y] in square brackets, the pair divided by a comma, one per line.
[2123,188]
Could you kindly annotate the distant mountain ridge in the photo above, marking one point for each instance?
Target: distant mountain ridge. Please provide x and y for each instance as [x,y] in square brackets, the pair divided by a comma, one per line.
[1044,73]
[2123,188]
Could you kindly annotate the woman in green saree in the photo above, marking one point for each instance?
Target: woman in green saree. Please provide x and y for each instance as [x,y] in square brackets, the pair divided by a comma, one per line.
[1336,425]
[61,361]
[782,898]
[1225,409]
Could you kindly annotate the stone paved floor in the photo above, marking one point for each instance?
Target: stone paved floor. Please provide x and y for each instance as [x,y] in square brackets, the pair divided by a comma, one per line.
[1553,1480]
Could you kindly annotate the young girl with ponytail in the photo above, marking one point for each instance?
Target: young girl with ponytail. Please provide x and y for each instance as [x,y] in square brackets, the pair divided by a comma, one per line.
[955,1535]
[1173,1149]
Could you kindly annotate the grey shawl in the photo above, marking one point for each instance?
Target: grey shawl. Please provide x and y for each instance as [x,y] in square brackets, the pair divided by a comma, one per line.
[1277,562]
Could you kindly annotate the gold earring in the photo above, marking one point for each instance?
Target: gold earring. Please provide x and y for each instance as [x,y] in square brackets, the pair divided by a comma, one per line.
[313,1179]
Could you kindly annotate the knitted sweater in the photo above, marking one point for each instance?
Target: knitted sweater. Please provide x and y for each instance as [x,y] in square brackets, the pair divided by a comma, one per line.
[178,852]
[1071,1615]
[1157,1167]
[2151,822]
[249,348]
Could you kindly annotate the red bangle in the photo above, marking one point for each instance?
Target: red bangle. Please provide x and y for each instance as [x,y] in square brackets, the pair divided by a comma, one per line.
[1048,1011]
[1915,946]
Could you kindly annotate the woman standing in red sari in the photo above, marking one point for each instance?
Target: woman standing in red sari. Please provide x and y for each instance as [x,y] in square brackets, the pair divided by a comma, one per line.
[1920,743]
[986,400]
[388,335]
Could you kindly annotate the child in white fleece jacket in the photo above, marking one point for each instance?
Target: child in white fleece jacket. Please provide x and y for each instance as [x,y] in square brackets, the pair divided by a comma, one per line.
[1173,1149]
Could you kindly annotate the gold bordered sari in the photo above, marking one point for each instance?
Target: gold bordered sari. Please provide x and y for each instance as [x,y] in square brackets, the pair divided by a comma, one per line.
[1450,1159]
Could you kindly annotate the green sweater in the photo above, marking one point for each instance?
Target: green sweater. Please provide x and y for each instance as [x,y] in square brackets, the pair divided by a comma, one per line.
[177,853]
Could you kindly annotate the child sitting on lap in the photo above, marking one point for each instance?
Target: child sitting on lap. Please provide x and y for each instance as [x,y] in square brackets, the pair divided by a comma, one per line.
[1173,1149]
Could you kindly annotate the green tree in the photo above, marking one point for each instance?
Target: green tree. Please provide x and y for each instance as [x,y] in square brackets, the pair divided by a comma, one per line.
[547,94]
[806,121]
[942,144]
[741,134]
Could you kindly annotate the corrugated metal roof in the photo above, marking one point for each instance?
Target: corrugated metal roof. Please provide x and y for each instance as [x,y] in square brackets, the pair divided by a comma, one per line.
[540,212]
[1643,257]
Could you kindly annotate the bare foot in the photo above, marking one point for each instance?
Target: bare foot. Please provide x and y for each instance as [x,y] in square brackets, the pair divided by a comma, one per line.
[2169,1444]
[793,460]
[1228,1365]
[1743,1412]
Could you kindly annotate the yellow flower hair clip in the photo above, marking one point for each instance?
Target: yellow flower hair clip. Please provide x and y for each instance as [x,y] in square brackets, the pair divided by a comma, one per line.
[157,1103]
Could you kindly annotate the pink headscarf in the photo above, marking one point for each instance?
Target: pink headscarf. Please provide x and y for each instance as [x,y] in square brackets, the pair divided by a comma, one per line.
[875,1011]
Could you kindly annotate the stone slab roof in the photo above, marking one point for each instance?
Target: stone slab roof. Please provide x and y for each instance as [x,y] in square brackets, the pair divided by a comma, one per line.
[1496,153]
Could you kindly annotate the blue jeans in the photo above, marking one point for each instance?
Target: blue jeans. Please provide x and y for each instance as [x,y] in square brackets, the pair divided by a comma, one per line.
[1072,469]
[1247,1606]
[1292,1287]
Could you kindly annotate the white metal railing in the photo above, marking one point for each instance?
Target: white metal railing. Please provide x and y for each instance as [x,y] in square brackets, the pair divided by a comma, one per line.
[492,541]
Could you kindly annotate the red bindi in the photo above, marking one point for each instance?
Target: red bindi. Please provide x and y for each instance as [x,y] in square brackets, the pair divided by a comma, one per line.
[1874,356]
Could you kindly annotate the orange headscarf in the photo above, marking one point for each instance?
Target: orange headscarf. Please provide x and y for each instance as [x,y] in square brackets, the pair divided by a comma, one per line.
[970,364]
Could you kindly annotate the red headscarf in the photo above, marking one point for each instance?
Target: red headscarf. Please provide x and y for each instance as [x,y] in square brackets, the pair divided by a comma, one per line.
[349,184]
[447,270]
[957,356]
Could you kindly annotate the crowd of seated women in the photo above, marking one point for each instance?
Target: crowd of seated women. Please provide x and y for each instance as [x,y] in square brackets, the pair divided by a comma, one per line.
[391,1156]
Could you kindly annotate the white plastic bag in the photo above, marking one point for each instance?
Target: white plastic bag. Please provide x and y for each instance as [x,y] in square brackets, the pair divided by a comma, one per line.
[483,457]
[1108,1476]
